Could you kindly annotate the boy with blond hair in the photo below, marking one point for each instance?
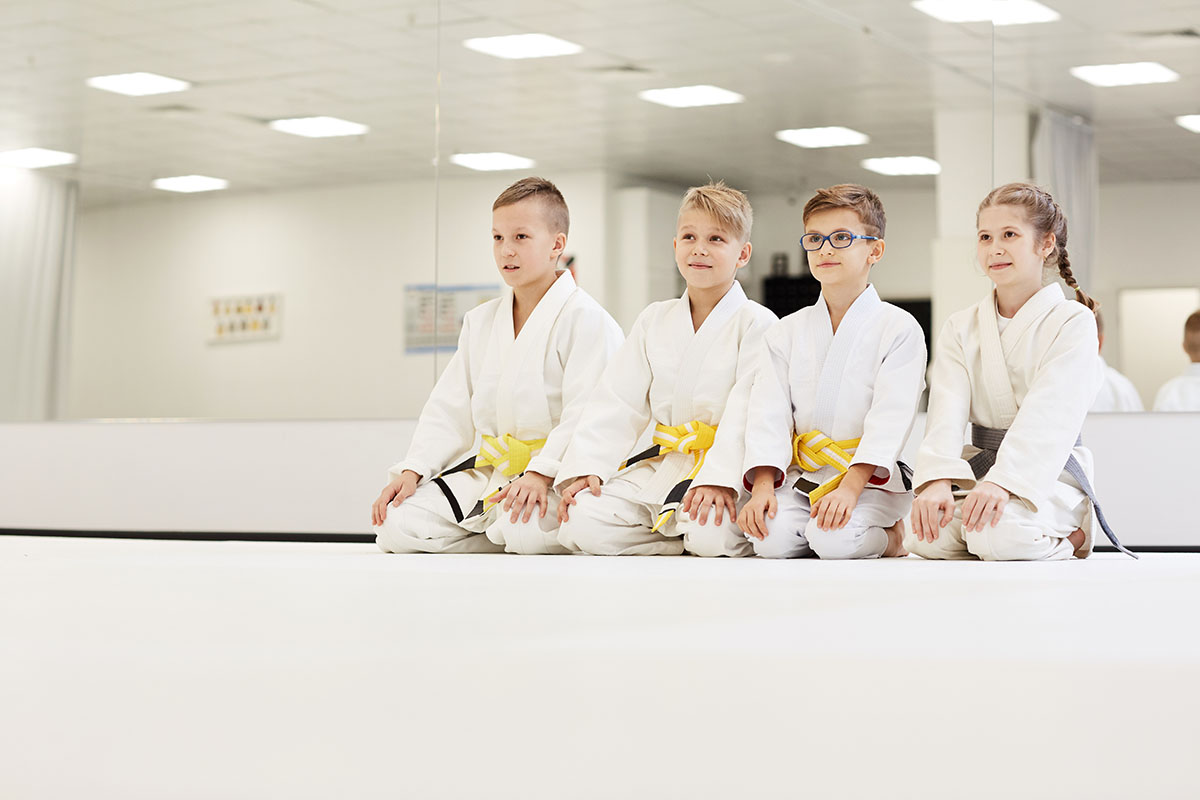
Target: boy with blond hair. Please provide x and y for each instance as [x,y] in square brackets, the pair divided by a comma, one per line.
[1182,393]
[835,400]
[683,376]
[487,447]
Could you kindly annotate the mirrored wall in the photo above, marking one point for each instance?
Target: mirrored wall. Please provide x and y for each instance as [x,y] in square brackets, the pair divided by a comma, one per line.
[335,162]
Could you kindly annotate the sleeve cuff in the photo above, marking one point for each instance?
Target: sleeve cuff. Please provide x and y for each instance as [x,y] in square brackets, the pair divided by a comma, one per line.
[545,465]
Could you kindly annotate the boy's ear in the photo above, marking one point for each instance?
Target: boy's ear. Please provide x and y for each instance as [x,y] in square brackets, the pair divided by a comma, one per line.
[877,250]
[560,243]
[744,256]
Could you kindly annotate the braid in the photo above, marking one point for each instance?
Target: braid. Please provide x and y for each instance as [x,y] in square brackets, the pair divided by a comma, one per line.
[1064,269]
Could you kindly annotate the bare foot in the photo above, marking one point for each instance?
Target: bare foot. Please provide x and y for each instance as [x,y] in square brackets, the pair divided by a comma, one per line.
[1076,539]
[895,545]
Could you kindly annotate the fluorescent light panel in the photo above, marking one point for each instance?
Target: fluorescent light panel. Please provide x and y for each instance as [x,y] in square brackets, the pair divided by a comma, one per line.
[523,45]
[1125,74]
[138,84]
[318,127]
[997,12]
[902,165]
[822,137]
[36,158]
[691,96]
[491,162]
[1189,121]
[190,183]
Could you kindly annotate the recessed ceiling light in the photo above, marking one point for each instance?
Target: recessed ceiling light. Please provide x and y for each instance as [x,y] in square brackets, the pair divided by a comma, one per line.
[523,45]
[489,162]
[137,84]
[1189,121]
[1125,74]
[822,137]
[190,183]
[691,96]
[902,165]
[319,127]
[36,158]
[997,12]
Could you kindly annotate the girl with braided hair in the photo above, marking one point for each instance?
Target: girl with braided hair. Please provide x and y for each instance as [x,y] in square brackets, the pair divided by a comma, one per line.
[1021,367]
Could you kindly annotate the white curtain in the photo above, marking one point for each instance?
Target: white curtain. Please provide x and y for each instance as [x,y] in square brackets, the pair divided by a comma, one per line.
[1065,162]
[37,220]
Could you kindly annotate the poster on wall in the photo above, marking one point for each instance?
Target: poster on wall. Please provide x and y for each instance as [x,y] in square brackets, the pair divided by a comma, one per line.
[433,315]
[245,318]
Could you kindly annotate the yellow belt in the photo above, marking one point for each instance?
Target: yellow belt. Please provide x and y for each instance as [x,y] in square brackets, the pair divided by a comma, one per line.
[507,453]
[693,437]
[813,450]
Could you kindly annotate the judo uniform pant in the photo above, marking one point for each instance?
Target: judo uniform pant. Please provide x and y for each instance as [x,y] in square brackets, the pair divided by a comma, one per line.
[617,524]
[1021,535]
[794,534]
[414,528]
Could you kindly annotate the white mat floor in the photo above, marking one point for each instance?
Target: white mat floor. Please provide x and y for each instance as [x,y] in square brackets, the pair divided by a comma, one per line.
[240,670]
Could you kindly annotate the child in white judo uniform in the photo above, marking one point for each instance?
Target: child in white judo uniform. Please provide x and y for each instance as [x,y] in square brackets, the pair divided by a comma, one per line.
[683,376]
[1117,393]
[1182,393]
[835,400]
[478,476]
[1020,367]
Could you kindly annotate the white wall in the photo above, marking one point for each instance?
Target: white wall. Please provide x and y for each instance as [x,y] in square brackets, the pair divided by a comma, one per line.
[1146,240]
[340,256]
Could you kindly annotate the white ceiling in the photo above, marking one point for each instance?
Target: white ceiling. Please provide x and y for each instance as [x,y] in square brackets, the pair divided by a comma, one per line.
[875,65]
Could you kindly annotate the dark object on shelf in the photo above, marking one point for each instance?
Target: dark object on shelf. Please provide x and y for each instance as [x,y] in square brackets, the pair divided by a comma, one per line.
[784,294]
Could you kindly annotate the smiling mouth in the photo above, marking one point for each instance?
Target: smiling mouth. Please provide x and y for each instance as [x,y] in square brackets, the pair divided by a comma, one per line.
[510,267]
[700,266]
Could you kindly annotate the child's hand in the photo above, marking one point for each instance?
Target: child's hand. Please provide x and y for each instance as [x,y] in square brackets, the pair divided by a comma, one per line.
[753,517]
[396,492]
[526,493]
[832,511]
[983,503]
[568,496]
[932,510]
[699,499]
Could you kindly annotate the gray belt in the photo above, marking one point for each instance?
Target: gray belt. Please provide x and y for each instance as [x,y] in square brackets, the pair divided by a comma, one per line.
[988,441]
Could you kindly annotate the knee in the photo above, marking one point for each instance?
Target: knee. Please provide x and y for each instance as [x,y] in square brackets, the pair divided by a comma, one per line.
[712,540]
[846,543]
[395,534]
[781,542]
[525,538]
[1009,540]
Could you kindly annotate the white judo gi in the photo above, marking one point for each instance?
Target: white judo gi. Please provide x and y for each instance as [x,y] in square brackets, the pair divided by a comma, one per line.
[862,383]
[665,374]
[1117,393]
[531,387]
[1035,379]
[1181,393]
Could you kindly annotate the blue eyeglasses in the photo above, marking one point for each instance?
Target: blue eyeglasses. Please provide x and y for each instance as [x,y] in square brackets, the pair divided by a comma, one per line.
[839,239]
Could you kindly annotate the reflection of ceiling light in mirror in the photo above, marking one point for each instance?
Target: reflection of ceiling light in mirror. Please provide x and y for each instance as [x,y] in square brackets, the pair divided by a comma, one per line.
[488,162]
[190,183]
[1189,121]
[903,165]
[138,84]
[318,127]
[691,96]
[1125,74]
[997,12]
[822,137]
[36,158]
[523,45]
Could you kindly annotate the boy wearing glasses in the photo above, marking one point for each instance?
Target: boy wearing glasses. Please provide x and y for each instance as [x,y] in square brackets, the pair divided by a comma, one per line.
[834,400]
